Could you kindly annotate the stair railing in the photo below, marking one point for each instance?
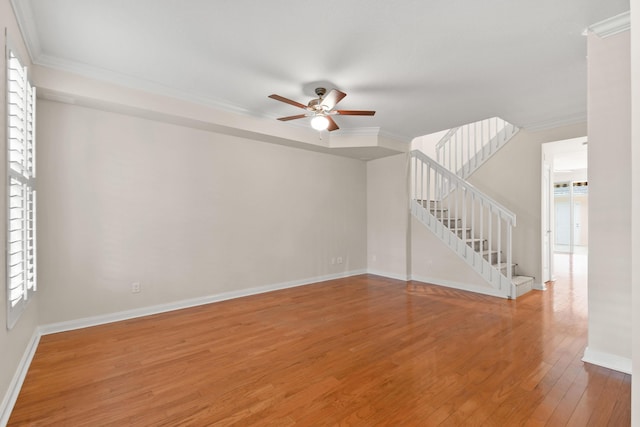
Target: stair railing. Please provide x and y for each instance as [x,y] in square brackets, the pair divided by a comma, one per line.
[463,149]
[463,217]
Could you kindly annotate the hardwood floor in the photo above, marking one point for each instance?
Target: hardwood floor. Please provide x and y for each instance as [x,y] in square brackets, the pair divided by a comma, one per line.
[361,351]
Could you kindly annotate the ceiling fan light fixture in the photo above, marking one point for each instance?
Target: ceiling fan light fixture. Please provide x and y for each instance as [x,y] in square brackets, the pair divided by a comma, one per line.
[320,122]
[321,109]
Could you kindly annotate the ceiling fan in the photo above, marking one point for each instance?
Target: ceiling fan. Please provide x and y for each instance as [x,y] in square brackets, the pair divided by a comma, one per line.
[321,109]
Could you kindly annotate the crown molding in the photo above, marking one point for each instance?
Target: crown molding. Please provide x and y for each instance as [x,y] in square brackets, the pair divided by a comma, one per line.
[28,29]
[148,86]
[556,122]
[363,131]
[612,26]
[136,83]
[394,136]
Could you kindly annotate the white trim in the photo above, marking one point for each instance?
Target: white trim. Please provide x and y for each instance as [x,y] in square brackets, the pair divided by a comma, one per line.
[612,26]
[156,88]
[86,322]
[13,391]
[539,286]
[362,131]
[460,286]
[136,83]
[607,360]
[389,275]
[556,122]
[28,29]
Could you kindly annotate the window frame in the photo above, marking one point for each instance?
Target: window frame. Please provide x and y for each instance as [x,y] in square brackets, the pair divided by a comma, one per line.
[20,227]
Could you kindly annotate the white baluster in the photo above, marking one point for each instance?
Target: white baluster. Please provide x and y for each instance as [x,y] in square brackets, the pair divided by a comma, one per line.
[474,224]
[509,249]
[489,235]
[468,160]
[499,224]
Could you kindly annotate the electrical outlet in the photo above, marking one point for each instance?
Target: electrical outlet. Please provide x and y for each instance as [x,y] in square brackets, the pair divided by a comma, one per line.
[339,260]
[135,287]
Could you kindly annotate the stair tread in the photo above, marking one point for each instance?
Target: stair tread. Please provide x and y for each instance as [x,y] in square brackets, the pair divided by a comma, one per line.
[503,264]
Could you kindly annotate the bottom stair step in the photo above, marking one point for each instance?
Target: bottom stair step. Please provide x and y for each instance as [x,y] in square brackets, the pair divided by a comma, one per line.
[523,284]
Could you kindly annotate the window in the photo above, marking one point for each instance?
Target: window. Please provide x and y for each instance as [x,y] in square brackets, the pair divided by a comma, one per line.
[21,193]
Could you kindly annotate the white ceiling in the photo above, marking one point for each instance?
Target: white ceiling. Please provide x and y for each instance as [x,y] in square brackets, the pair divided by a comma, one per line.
[423,66]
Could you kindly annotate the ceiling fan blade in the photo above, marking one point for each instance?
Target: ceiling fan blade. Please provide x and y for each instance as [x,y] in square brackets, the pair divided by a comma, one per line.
[299,116]
[356,112]
[287,101]
[332,124]
[332,98]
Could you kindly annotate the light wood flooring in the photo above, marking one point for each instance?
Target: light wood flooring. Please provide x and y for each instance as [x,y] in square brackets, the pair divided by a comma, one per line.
[362,351]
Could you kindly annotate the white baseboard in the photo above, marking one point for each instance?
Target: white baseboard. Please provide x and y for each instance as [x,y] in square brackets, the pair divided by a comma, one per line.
[13,391]
[389,275]
[539,286]
[607,360]
[460,286]
[178,305]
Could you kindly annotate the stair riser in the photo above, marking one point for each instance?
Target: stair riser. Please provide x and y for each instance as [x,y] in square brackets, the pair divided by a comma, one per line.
[524,287]
[429,204]
[463,234]
[439,213]
[479,245]
[492,258]
[503,270]
[451,222]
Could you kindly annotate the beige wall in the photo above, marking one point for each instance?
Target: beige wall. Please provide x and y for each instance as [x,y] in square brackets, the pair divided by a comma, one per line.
[427,143]
[13,343]
[609,199]
[432,261]
[388,217]
[185,212]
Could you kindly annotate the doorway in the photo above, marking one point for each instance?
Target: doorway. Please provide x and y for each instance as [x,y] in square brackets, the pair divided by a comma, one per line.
[565,201]
[571,200]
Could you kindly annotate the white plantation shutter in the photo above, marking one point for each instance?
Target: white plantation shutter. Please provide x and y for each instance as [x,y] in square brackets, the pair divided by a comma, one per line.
[21,228]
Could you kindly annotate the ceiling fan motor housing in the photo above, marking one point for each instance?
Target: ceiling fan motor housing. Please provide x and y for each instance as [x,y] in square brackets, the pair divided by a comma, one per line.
[316,104]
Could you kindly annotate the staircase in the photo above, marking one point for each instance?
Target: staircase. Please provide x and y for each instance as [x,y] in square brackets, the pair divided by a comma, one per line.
[477,228]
